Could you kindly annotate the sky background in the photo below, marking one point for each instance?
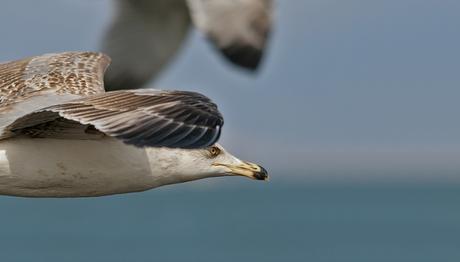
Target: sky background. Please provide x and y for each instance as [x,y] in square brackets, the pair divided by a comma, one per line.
[360,96]
[364,89]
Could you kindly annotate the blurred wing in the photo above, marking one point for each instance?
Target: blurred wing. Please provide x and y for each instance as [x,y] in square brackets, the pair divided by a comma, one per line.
[142,38]
[37,82]
[239,28]
[154,118]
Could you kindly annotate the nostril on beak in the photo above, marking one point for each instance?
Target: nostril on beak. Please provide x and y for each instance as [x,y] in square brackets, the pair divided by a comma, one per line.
[262,174]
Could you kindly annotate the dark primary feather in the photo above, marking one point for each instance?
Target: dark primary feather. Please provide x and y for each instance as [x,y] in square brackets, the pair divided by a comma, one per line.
[245,56]
[239,29]
[176,119]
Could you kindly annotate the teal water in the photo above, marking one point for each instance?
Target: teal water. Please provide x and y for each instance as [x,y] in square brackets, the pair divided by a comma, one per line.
[239,220]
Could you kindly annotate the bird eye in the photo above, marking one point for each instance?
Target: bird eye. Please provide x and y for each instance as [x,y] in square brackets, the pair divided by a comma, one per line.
[214,151]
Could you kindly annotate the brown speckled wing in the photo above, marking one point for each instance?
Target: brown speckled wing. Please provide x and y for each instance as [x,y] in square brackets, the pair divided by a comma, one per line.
[33,83]
[76,73]
[238,28]
[176,119]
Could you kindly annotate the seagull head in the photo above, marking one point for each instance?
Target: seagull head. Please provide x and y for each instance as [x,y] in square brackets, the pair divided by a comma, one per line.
[181,165]
[224,163]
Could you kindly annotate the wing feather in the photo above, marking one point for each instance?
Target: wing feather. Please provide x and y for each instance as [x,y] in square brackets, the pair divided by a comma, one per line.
[239,28]
[149,118]
[142,38]
[36,82]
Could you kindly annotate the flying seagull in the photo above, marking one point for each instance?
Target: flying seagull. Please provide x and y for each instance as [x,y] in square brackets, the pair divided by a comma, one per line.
[62,135]
[145,34]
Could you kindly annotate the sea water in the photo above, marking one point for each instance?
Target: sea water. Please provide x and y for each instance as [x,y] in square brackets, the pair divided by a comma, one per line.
[239,220]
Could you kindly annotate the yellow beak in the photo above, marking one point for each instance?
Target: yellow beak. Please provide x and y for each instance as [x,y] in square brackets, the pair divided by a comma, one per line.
[247,169]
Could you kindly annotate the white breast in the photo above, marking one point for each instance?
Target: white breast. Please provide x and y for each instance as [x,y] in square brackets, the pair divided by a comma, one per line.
[68,168]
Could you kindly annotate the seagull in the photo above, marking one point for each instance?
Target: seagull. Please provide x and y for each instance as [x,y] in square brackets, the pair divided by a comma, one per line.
[145,34]
[62,135]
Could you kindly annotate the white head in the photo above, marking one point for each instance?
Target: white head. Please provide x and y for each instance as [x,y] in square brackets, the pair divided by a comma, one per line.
[181,165]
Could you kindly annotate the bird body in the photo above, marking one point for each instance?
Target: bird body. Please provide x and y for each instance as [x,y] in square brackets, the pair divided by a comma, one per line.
[62,135]
[72,168]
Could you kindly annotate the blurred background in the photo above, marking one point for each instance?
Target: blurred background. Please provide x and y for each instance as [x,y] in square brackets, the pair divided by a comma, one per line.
[354,112]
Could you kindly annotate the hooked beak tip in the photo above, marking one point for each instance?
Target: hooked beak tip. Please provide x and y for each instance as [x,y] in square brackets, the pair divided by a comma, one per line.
[261,175]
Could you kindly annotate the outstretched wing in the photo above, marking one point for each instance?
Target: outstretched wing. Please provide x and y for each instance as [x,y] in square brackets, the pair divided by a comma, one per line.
[146,34]
[142,38]
[239,28]
[37,82]
[141,118]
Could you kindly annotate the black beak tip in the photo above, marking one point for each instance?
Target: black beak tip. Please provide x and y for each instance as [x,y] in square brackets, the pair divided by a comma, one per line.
[262,174]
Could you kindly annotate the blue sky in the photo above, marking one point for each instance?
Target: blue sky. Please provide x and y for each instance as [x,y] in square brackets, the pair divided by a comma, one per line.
[346,85]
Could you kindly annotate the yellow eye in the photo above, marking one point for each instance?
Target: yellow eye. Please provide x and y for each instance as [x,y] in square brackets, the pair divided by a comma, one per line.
[214,151]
